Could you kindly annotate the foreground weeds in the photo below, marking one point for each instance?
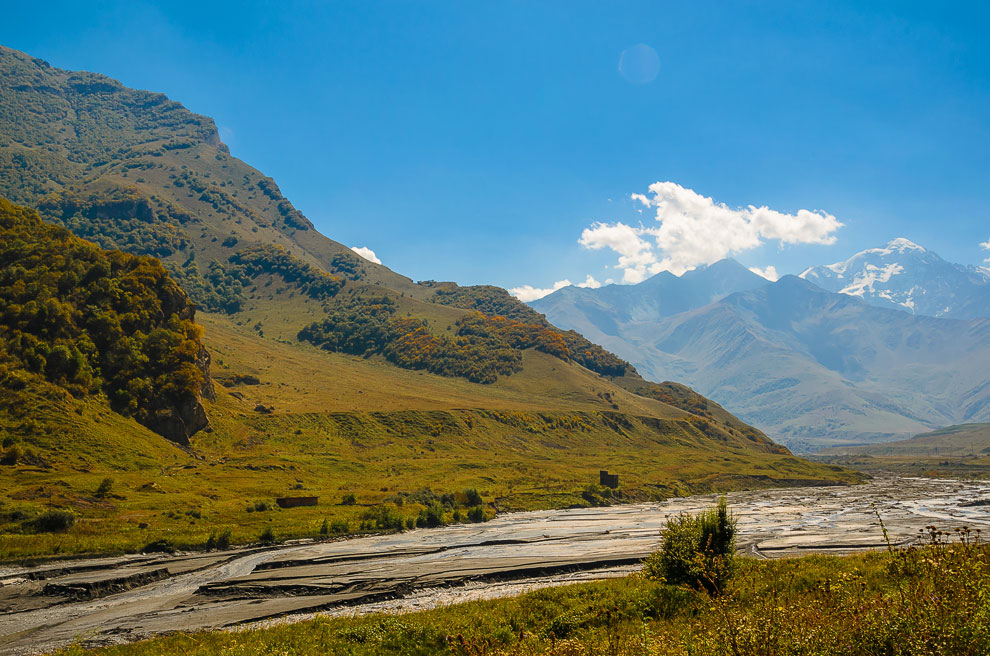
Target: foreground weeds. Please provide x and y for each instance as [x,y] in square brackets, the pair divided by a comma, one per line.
[930,599]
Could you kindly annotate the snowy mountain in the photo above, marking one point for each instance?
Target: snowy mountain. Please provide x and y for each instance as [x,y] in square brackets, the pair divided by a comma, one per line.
[905,276]
[810,367]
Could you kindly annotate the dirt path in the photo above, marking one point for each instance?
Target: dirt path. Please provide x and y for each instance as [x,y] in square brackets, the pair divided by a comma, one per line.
[46,607]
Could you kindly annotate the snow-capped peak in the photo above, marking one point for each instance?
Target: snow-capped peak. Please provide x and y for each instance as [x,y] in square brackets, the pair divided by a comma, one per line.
[901,244]
[905,276]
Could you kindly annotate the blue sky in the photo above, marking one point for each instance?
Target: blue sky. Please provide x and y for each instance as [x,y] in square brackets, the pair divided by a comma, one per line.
[478,142]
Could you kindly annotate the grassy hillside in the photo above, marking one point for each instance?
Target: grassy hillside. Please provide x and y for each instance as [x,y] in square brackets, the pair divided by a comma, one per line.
[971,440]
[291,419]
[342,425]
[337,377]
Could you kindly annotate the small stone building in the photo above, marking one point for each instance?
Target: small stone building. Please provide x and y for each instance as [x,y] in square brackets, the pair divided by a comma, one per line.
[608,480]
[292,502]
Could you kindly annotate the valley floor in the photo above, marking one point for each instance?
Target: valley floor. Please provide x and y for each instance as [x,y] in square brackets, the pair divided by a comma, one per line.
[81,601]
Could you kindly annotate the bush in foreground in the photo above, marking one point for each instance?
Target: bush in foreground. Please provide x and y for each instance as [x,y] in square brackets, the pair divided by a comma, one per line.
[697,550]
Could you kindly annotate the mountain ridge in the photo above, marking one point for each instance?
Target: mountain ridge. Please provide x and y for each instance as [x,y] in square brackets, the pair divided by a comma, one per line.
[811,367]
[905,276]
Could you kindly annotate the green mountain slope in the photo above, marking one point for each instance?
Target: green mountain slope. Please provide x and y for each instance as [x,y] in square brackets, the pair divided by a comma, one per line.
[964,440]
[336,376]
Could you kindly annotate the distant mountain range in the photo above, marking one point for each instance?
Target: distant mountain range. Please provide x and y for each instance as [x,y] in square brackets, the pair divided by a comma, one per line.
[809,366]
[905,276]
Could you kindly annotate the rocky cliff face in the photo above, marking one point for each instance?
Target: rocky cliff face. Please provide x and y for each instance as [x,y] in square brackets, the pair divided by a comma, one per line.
[188,417]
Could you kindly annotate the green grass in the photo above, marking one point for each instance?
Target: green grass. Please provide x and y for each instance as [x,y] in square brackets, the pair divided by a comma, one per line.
[516,459]
[930,600]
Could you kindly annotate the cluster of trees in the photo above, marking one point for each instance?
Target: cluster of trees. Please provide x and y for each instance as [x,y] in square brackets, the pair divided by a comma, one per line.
[357,325]
[487,299]
[481,349]
[347,266]
[27,174]
[363,325]
[314,282]
[516,334]
[95,321]
[119,218]
[496,302]
[293,218]
[220,289]
[87,116]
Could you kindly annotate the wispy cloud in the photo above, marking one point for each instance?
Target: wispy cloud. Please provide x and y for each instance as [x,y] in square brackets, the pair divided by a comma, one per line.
[986,246]
[770,273]
[693,230]
[366,253]
[528,293]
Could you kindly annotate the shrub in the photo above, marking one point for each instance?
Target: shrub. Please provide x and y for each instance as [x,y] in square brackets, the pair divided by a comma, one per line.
[384,516]
[159,546]
[472,497]
[219,540]
[105,488]
[476,514]
[348,500]
[696,550]
[594,494]
[430,517]
[53,521]
[11,455]
[267,536]
[325,527]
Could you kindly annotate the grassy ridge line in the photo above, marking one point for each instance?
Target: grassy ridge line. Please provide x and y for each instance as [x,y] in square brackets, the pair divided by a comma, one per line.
[923,601]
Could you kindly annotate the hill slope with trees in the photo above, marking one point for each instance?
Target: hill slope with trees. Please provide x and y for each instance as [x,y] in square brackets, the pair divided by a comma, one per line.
[338,378]
[98,322]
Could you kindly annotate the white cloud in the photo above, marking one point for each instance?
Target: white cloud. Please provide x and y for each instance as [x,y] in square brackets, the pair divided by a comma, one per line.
[528,293]
[986,246]
[589,283]
[770,273]
[695,230]
[366,253]
[636,257]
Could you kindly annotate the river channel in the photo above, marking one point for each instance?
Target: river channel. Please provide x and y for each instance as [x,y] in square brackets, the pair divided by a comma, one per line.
[110,600]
